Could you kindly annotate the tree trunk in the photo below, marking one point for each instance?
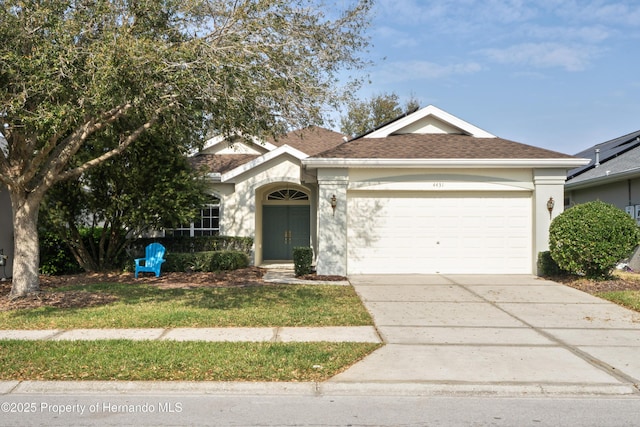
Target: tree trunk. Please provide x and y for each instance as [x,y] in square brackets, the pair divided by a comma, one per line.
[26,258]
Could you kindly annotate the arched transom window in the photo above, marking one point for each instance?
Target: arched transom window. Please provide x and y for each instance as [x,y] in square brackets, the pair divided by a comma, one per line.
[288,194]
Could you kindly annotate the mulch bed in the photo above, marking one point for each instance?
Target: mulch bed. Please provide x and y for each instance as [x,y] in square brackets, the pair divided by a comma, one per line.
[594,287]
[48,297]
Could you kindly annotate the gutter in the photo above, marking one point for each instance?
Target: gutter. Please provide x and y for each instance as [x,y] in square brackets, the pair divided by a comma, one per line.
[316,163]
[621,176]
[214,177]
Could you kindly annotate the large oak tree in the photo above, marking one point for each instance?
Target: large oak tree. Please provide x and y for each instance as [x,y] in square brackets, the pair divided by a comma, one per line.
[73,69]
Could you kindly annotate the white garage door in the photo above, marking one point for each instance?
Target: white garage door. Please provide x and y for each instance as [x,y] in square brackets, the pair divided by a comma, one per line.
[448,233]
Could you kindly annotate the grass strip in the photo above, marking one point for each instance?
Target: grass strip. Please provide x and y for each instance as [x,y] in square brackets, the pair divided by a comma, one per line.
[629,299]
[111,360]
[146,306]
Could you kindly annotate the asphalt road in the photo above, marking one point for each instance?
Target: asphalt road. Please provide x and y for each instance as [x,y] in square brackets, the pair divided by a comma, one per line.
[168,409]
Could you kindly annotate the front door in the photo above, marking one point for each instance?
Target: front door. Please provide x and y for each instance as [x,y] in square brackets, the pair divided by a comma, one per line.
[284,228]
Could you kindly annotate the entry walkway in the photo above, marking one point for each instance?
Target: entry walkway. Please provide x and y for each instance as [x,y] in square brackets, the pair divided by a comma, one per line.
[496,334]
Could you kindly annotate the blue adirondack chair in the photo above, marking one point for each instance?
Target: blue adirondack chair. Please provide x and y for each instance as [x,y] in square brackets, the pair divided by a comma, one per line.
[154,257]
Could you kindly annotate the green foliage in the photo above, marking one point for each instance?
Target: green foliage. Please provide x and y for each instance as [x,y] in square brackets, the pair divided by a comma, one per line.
[206,261]
[302,259]
[81,82]
[198,243]
[55,256]
[125,196]
[547,265]
[364,116]
[592,238]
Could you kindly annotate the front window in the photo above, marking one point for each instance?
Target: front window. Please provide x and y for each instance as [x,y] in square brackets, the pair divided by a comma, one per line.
[207,224]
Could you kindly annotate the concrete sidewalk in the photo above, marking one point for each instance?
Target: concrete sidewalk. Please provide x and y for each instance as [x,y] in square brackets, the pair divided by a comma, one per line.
[279,334]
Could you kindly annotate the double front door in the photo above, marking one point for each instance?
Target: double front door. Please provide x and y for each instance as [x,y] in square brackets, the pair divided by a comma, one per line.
[284,228]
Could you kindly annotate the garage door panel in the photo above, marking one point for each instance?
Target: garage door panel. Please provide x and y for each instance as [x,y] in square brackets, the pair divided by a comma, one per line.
[439,233]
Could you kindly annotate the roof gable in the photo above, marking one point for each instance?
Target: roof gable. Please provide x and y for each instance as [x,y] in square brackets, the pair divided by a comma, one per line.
[429,120]
[230,157]
[435,138]
[236,145]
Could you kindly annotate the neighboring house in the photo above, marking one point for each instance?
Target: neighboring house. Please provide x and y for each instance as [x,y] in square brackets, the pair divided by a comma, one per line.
[426,193]
[612,175]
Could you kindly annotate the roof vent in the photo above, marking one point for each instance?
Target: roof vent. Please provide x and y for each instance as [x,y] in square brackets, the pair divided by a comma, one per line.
[597,157]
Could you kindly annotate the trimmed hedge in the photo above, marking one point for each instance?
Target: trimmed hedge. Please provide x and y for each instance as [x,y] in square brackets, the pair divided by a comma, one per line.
[186,244]
[302,260]
[209,261]
[591,238]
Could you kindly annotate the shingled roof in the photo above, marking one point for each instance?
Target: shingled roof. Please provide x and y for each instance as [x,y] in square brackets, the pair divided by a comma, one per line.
[437,146]
[311,140]
[606,152]
[220,163]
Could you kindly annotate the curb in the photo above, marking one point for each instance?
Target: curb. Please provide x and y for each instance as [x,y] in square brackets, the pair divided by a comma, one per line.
[407,389]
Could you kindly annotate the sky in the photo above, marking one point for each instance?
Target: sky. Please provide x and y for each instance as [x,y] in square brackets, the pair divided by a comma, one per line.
[558,74]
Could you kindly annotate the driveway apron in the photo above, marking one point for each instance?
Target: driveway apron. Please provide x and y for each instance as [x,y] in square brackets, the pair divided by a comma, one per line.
[492,333]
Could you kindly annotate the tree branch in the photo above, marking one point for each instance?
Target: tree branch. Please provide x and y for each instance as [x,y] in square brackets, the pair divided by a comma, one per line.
[76,172]
[60,157]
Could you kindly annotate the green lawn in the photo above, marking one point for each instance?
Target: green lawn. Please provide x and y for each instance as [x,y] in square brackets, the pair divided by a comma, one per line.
[629,299]
[147,306]
[123,360]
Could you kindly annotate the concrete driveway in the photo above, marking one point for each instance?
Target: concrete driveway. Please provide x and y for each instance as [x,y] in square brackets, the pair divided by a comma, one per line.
[495,334]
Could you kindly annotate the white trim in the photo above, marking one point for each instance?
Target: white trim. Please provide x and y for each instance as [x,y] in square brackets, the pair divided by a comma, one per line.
[432,185]
[284,149]
[599,180]
[216,140]
[315,163]
[430,110]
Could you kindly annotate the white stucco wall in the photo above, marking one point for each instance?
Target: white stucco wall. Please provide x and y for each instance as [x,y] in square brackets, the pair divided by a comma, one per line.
[241,201]
[549,183]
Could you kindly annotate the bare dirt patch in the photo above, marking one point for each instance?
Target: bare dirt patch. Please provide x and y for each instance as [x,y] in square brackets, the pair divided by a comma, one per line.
[50,296]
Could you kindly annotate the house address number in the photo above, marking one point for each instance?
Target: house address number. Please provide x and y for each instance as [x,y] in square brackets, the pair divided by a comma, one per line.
[438,185]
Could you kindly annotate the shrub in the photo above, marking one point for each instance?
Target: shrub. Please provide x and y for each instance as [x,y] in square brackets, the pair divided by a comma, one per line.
[184,244]
[55,256]
[547,265]
[592,238]
[302,259]
[206,261]
[228,260]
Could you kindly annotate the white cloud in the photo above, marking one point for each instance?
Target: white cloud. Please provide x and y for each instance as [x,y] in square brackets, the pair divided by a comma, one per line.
[588,34]
[403,71]
[395,38]
[544,55]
